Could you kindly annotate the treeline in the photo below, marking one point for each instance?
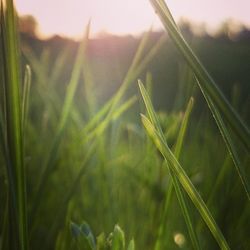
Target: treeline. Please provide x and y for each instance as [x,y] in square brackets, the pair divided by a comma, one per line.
[225,55]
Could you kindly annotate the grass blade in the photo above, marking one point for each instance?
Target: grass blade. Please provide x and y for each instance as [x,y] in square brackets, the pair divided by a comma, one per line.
[177,151]
[136,68]
[205,80]
[183,129]
[15,168]
[25,96]
[184,205]
[125,84]
[185,182]
[50,160]
[229,143]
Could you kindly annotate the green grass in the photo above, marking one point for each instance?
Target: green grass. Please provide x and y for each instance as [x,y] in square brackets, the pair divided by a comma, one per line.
[183,203]
[218,104]
[178,173]
[14,130]
[88,165]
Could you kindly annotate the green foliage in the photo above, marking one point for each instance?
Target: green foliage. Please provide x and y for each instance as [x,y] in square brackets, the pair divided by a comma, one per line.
[83,153]
[154,130]
[83,235]
[216,101]
[183,203]
[85,239]
[13,130]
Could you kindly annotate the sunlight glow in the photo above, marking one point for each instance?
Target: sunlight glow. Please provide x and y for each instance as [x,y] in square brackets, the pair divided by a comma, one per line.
[124,16]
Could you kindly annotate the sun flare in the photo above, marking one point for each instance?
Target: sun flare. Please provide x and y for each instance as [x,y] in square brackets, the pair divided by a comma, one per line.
[122,17]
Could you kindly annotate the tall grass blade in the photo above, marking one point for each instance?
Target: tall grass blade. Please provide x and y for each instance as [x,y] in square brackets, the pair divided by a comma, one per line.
[137,66]
[205,80]
[15,165]
[183,128]
[73,81]
[125,84]
[229,143]
[185,182]
[177,151]
[71,90]
[181,198]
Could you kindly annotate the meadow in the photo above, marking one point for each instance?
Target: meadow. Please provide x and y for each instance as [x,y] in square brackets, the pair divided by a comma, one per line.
[124,143]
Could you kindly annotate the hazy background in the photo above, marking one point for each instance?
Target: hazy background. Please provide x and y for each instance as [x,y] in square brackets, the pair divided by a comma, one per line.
[126,17]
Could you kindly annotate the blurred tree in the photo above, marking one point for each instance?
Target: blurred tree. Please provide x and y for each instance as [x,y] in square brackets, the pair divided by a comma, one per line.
[28,25]
[230,28]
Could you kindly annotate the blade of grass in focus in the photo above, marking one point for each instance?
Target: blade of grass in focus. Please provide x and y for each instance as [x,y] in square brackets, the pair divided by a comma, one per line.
[229,143]
[17,223]
[180,195]
[218,104]
[205,80]
[185,182]
[177,151]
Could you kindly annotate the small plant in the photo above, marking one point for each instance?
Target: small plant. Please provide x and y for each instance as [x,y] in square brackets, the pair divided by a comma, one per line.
[85,240]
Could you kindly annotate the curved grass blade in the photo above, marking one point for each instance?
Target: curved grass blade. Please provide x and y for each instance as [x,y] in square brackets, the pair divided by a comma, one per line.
[46,84]
[206,81]
[185,182]
[37,66]
[25,97]
[181,198]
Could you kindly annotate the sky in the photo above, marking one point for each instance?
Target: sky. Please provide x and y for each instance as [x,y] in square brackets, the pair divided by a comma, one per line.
[69,17]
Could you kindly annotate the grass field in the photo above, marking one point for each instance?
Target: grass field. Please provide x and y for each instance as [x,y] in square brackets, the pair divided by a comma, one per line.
[78,172]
